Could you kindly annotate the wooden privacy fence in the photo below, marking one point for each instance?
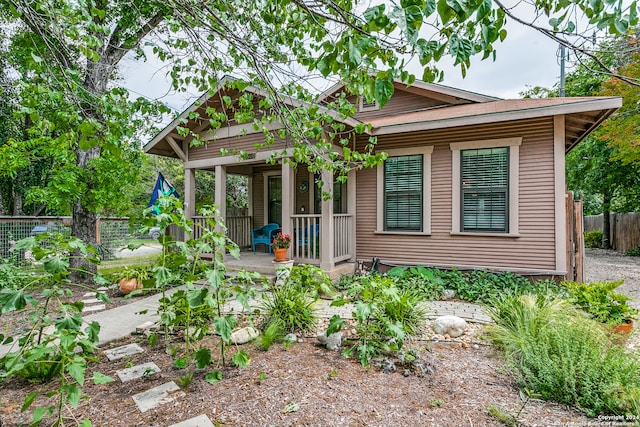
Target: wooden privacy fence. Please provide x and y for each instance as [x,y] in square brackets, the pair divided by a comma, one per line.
[575,239]
[624,229]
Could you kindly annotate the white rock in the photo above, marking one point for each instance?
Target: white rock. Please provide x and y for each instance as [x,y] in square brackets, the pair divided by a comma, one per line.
[332,342]
[244,335]
[449,325]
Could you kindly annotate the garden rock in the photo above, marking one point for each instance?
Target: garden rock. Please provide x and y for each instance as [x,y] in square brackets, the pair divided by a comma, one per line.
[244,335]
[449,325]
[332,342]
[449,294]
[291,338]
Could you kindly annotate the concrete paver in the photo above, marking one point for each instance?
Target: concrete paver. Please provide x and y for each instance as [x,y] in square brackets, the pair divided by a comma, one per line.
[137,371]
[123,351]
[165,393]
[199,421]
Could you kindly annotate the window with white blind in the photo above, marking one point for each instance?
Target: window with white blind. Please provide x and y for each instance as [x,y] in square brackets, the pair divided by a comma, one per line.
[403,176]
[404,191]
[485,189]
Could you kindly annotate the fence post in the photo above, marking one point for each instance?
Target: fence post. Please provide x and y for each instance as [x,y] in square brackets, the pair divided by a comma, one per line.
[98,230]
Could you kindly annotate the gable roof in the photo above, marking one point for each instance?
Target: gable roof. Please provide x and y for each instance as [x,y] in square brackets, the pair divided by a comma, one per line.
[461,108]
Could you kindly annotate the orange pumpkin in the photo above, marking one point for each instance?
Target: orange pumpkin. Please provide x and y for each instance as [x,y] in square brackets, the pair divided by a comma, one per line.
[128,285]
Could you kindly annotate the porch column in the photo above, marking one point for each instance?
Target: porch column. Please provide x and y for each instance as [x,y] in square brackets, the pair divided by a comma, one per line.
[326,223]
[351,210]
[189,193]
[220,199]
[288,194]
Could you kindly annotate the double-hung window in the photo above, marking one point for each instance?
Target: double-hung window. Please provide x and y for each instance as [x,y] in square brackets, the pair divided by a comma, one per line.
[485,186]
[404,186]
[403,177]
[485,189]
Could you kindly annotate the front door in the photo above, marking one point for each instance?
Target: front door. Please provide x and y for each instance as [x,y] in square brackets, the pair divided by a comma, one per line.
[274,196]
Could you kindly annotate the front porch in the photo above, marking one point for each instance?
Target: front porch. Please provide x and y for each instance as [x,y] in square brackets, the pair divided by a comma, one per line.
[321,221]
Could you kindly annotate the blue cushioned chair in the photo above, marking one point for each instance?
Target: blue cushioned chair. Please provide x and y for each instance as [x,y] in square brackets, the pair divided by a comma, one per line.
[308,234]
[263,235]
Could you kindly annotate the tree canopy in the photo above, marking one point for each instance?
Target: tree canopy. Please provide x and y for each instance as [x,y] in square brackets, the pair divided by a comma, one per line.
[65,56]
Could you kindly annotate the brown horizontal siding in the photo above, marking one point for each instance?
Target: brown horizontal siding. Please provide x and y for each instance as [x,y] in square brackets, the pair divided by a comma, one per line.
[401,102]
[258,200]
[533,250]
[240,143]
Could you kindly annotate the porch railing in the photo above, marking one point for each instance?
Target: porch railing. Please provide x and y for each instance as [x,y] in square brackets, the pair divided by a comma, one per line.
[342,244]
[306,237]
[238,228]
[305,244]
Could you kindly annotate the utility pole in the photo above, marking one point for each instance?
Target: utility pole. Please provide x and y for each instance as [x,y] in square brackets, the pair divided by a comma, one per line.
[562,57]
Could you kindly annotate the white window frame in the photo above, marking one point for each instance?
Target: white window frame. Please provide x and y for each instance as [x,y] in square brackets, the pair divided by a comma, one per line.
[426,152]
[514,180]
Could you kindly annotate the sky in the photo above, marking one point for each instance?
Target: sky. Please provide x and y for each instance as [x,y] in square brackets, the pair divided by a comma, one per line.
[525,58]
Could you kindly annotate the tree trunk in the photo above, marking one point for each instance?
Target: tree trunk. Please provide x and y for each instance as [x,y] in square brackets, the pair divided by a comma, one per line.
[606,221]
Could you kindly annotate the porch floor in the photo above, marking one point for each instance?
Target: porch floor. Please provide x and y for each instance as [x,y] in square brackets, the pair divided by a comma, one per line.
[262,262]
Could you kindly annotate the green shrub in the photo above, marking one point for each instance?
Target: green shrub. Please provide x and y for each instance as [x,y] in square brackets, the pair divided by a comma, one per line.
[12,277]
[593,239]
[563,356]
[290,307]
[312,279]
[385,316]
[600,300]
[633,252]
[421,280]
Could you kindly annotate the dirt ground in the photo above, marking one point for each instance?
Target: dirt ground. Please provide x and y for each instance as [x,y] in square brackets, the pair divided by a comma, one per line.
[307,385]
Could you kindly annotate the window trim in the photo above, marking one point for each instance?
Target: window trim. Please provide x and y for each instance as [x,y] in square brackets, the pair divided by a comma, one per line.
[426,152]
[514,186]
[364,107]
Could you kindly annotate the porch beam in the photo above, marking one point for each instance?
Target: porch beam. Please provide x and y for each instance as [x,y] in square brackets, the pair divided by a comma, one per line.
[326,223]
[221,193]
[172,142]
[259,157]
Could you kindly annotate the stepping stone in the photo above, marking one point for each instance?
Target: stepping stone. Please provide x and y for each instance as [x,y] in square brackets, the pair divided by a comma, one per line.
[199,421]
[94,308]
[164,393]
[124,351]
[89,294]
[92,301]
[102,289]
[137,371]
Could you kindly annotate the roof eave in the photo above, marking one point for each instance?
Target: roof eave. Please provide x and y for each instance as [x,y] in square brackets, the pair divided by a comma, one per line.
[575,107]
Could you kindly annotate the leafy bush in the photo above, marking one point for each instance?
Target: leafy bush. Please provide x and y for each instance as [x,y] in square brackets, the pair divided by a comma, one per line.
[565,357]
[12,277]
[385,314]
[593,239]
[422,280]
[309,278]
[290,307]
[633,252]
[600,300]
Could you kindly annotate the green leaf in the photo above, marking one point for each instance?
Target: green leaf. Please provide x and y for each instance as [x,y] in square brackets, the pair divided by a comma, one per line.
[383,90]
[355,57]
[70,322]
[38,415]
[99,378]
[73,394]
[224,326]
[14,299]
[55,264]
[76,369]
[336,323]
[241,359]
[445,12]
[85,423]
[203,357]
[28,400]
[180,362]
[213,377]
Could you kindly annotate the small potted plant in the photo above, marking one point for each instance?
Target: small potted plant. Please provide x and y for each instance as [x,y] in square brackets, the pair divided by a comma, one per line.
[280,245]
[132,278]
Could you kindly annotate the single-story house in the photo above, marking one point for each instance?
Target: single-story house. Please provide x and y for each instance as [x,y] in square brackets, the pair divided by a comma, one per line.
[471,181]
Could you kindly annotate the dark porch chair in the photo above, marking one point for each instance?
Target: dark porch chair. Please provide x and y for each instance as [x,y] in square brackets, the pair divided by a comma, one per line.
[263,235]
[308,235]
